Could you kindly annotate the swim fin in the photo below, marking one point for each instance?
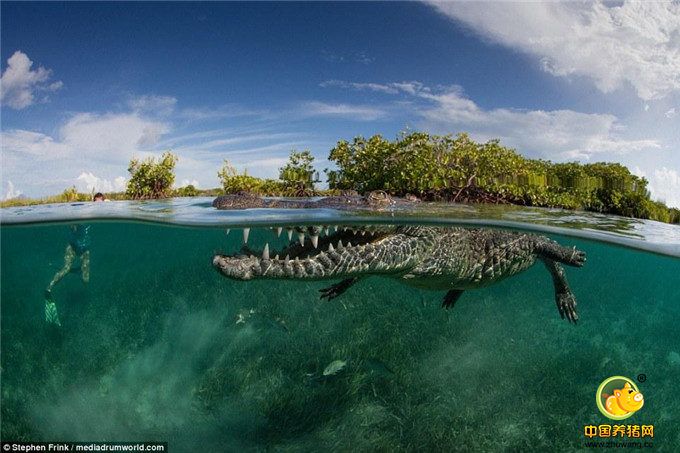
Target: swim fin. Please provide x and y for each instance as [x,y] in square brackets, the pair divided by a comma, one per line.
[51,315]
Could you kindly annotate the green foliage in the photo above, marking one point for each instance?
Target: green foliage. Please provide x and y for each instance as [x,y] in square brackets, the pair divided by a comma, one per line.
[233,182]
[151,179]
[435,167]
[298,175]
[71,194]
[187,191]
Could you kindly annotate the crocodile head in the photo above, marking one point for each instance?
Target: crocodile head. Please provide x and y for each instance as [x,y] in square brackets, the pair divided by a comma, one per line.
[345,252]
[240,200]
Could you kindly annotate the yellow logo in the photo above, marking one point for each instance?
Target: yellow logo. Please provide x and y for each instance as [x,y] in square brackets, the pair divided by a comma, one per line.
[618,398]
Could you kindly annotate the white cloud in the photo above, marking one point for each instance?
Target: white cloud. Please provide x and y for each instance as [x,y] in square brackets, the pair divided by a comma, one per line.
[19,84]
[30,145]
[186,182]
[111,137]
[351,111]
[154,105]
[555,134]
[635,42]
[671,113]
[85,146]
[11,191]
[88,182]
[665,186]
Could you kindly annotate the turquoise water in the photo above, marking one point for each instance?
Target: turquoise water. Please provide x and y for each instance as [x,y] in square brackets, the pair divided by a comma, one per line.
[159,346]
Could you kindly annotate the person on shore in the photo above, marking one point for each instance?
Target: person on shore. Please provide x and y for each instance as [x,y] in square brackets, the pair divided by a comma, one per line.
[78,247]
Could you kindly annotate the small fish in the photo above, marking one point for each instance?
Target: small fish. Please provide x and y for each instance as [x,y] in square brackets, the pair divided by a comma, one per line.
[334,367]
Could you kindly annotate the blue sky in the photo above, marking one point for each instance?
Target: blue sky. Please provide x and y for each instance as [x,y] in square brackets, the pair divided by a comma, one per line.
[87,86]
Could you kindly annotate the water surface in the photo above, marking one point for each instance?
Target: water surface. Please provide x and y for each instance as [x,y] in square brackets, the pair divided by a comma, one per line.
[159,346]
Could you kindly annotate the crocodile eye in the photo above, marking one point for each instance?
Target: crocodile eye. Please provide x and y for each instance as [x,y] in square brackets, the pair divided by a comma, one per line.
[631,391]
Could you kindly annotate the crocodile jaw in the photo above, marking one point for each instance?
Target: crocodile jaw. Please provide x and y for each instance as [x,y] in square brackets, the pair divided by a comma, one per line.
[385,256]
[238,268]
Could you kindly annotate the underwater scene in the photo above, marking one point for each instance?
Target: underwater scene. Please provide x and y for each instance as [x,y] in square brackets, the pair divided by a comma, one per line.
[170,321]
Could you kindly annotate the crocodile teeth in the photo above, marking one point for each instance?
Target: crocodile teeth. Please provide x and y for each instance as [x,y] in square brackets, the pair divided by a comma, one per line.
[315,240]
[335,228]
[301,238]
[228,231]
[340,246]
[265,252]
[276,257]
[326,230]
[290,233]
[246,232]
[363,232]
[330,248]
[287,260]
[278,231]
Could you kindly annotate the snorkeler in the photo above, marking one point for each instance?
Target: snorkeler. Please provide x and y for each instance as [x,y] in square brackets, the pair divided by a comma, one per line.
[78,247]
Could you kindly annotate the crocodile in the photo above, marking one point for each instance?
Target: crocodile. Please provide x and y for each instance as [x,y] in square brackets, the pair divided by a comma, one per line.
[375,200]
[451,259]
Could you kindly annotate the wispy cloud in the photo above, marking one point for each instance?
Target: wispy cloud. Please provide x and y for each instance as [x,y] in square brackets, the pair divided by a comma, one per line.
[349,111]
[230,141]
[632,43]
[19,84]
[224,111]
[352,57]
[554,134]
[153,105]
[386,88]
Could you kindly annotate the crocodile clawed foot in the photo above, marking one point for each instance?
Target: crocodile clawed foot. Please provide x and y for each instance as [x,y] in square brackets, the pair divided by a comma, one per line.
[335,290]
[578,258]
[566,305]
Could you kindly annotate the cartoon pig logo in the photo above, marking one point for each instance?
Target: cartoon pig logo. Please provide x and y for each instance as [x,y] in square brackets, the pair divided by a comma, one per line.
[618,397]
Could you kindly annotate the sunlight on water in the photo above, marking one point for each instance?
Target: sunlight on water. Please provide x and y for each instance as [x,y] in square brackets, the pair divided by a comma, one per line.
[158,345]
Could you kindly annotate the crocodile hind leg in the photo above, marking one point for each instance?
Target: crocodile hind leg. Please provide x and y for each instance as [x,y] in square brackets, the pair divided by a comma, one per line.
[564,298]
[334,291]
